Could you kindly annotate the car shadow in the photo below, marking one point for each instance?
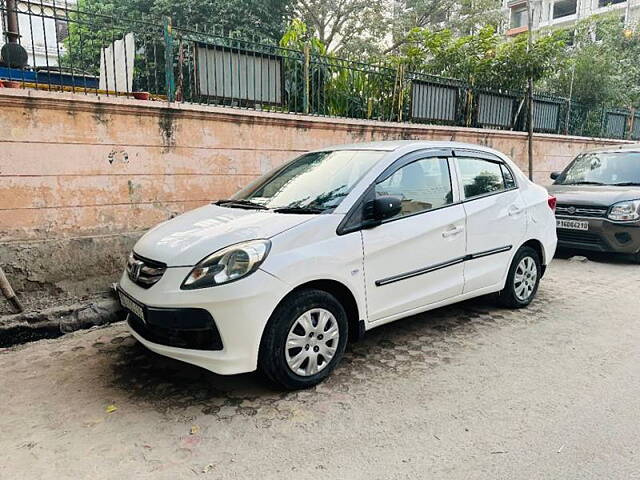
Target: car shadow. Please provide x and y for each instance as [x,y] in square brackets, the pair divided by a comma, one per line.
[599,257]
[416,343]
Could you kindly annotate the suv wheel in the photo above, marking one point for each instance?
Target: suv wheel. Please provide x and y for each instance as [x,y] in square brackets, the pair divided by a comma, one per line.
[304,339]
[523,279]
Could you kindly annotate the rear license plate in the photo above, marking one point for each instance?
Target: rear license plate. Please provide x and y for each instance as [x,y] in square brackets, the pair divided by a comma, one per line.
[572,224]
[131,305]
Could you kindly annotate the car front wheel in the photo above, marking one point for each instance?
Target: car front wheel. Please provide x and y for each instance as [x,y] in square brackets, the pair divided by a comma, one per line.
[523,279]
[304,339]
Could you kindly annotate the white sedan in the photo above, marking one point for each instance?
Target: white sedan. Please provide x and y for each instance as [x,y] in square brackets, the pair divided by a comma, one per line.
[334,243]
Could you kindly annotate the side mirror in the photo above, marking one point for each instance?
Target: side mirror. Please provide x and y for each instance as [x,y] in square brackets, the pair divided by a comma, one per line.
[382,208]
[555,175]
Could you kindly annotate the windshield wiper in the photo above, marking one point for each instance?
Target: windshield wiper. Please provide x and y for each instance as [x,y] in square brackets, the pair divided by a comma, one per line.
[584,183]
[298,210]
[626,184]
[240,203]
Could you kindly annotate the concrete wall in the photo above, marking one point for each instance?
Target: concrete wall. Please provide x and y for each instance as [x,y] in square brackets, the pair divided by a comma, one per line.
[82,176]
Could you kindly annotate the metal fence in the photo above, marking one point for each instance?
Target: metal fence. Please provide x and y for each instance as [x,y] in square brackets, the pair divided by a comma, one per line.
[53,45]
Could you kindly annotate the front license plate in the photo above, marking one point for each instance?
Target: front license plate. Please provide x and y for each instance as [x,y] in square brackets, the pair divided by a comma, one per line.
[572,224]
[129,304]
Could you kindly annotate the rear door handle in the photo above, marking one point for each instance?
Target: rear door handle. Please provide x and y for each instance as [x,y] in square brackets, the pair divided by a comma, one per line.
[450,232]
[515,211]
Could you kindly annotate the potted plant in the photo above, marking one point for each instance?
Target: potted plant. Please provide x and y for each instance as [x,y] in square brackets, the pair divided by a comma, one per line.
[142,95]
[12,84]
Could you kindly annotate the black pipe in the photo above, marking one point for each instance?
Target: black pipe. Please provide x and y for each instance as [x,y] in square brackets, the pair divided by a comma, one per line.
[13,30]
[12,54]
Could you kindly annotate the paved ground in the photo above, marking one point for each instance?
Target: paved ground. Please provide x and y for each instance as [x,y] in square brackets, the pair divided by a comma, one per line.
[467,392]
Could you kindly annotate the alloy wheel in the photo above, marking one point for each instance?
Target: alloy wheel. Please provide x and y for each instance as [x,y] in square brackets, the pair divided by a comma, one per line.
[525,278]
[312,342]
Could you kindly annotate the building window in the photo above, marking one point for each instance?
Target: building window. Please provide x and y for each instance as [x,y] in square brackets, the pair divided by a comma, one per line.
[62,30]
[606,3]
[564,8]
[519,16]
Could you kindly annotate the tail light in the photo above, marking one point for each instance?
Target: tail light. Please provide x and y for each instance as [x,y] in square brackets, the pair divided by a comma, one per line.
[552,201]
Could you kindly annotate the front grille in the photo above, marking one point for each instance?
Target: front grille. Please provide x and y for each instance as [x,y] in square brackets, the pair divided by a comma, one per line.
[580,211]
[144,272]
[585,238]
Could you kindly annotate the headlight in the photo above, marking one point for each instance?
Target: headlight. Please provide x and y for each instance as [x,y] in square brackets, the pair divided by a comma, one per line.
[625,211]
[226,265]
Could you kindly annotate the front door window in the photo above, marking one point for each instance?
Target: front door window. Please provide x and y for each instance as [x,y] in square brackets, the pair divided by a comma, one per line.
[422,185]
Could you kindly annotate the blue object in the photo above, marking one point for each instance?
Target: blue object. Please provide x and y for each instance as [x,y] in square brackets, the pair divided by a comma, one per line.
[49,78]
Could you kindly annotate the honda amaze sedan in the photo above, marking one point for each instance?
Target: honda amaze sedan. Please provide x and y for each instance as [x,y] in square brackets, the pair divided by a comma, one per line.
[332,244]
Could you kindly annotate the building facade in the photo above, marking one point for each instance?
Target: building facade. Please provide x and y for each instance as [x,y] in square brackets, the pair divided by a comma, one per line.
[565,13]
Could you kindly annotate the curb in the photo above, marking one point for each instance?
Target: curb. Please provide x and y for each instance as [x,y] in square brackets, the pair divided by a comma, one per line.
[55,322]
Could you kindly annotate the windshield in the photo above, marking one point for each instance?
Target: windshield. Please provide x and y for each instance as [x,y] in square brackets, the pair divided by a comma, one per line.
[611,168]
[313,182]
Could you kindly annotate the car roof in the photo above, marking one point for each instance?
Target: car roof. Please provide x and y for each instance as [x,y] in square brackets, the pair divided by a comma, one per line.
[391,145]
[625,147]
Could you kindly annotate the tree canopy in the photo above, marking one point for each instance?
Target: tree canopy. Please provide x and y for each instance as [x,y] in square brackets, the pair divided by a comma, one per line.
[345,24]
[602,65]
[267,18]
[482,59]
[366,27]
[461,17]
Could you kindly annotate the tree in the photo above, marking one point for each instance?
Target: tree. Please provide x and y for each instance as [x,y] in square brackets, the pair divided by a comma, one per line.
[345,25]
[267,18]
[298,40]
[335,86]
[482,59]
[602,65]
[375,27]
[461,17]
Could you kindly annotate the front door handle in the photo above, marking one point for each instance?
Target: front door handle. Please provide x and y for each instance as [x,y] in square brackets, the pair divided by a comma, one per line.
[452,231]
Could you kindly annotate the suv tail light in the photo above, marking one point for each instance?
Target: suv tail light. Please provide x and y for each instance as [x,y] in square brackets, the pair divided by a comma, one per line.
[552,201]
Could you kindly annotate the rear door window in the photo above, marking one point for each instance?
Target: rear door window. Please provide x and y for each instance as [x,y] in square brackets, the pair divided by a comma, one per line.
[480,177]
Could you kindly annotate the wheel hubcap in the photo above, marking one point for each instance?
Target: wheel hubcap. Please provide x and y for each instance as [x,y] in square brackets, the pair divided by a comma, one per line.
[525,278]
[312,342]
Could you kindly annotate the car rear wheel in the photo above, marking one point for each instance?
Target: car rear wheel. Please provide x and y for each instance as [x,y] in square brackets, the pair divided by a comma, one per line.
[523,279]
[304,339]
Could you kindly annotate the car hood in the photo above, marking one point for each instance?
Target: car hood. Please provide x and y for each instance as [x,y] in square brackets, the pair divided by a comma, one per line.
[596,195]
[190,237]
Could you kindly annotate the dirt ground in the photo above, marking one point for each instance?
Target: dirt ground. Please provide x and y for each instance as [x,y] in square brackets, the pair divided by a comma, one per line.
[465,392]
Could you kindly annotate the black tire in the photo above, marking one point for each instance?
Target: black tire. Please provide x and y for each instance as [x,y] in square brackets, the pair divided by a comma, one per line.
[272,361]
[508,297]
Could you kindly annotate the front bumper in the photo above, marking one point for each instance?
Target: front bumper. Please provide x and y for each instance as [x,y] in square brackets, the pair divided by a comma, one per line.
[239,311]
[602,236]
[189,328]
